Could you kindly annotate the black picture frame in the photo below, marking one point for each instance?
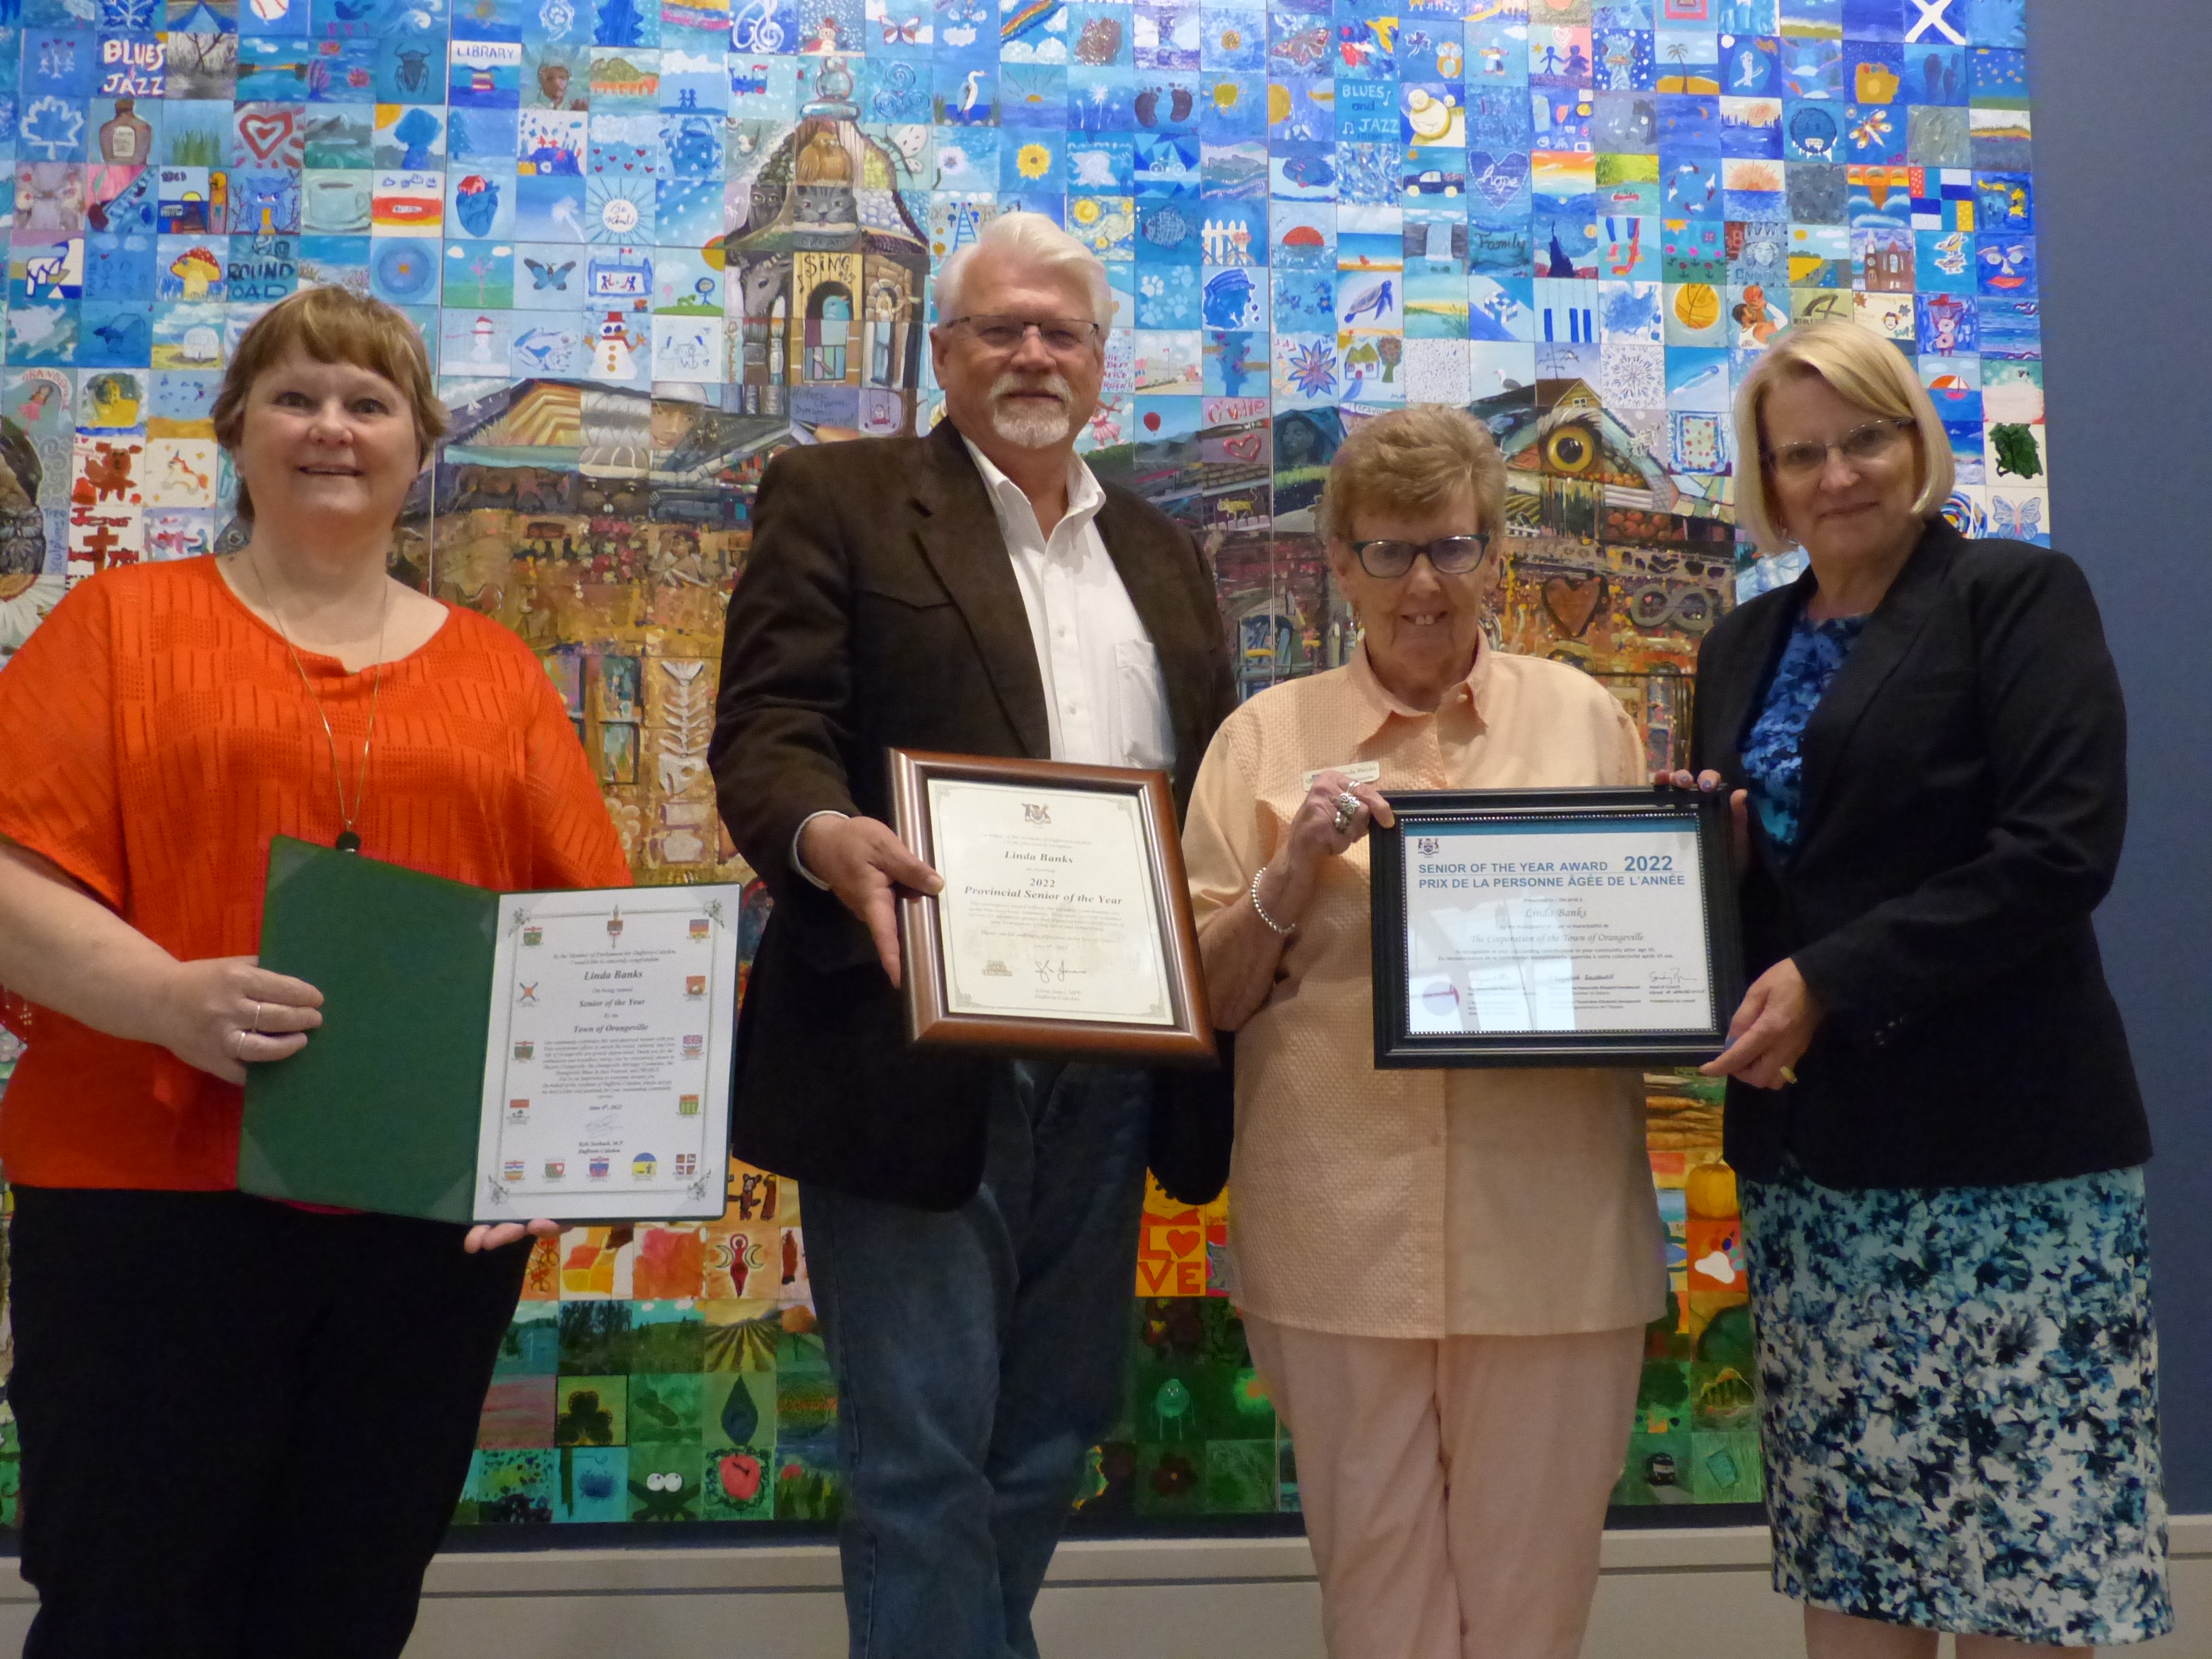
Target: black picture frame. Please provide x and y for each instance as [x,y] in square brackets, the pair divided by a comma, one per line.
[1397,1046]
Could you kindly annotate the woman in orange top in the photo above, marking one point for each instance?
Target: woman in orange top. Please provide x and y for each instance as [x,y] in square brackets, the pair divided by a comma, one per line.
[245,1424]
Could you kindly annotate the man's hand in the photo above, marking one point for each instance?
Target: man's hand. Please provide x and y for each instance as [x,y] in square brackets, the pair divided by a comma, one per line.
[863,860]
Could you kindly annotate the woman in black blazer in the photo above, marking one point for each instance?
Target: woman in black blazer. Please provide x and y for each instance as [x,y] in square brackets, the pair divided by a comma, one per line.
[1931,1104]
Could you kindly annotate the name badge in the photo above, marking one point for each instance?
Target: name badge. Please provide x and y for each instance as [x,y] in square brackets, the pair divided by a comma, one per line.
[1354,771]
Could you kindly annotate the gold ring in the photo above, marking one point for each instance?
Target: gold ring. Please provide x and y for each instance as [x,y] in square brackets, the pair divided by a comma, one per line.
[257,1019]
[238,1046]
[1789,1076]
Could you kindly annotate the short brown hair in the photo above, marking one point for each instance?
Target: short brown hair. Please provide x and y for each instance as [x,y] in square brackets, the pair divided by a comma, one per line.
[332,325]
[1861,367]
[1419,457]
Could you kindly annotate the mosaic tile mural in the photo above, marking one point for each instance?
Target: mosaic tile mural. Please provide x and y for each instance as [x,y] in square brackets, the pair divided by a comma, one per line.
[650,242]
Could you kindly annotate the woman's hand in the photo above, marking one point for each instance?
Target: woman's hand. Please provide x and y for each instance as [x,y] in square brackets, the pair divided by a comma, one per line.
[64,949]
[1771,1030]
[1775,1024]
[1286,886]
[221,1012]
[1314,833]
[497,1236]
[1739,806]
[1239,950]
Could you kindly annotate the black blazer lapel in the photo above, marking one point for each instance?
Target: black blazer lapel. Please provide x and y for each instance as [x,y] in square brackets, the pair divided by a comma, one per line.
[1733,694]
[960,538]
[1890,632]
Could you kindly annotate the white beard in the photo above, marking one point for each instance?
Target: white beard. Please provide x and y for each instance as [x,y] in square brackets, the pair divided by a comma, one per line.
[1028,426]
[1032,428]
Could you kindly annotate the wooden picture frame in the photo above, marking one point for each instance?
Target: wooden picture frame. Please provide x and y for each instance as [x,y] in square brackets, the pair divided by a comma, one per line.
[1135,838]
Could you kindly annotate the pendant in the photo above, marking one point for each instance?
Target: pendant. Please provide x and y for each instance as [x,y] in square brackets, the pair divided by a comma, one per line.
[347,841]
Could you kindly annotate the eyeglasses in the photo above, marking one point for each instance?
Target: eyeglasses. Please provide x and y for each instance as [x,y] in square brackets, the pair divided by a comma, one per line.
[1861,444]
[1451,555]
[1063,337]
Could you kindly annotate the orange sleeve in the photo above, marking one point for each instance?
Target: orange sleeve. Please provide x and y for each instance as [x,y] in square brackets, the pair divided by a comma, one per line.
[572,840]
[59,795]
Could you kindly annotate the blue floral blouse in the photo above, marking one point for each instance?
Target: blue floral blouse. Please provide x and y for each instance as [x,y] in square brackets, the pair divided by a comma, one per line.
[1773,763]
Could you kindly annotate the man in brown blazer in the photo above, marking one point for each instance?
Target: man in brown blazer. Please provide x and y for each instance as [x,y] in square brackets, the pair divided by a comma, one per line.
[970,1222]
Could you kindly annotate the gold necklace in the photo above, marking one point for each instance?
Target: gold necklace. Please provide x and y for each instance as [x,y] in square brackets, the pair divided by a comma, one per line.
[347,841]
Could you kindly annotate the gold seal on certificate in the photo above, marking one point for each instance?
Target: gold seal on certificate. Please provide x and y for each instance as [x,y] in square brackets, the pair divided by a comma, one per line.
[1553,926]
[1064,925]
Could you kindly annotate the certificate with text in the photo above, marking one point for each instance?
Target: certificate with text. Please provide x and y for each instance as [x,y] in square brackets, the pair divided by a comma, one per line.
[1552,929]
[607,1065]
[1048,908]
[1064,925]
[491,1056]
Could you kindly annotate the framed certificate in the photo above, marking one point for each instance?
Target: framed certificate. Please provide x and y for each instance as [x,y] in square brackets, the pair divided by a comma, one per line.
[1553,927]
[1065,923]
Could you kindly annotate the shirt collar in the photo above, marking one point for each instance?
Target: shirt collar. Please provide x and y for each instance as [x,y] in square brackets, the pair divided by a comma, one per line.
[1381,706]
[1085,494]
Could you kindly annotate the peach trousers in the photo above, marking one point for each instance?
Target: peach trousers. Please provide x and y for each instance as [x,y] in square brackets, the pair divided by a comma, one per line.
[1455,1490]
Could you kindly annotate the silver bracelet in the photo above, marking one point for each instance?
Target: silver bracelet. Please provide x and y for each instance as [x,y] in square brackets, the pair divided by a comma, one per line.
[1261,910]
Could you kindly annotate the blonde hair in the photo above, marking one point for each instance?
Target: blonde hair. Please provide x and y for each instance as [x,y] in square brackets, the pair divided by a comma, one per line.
[1859,366]
[1418,457]
[1037,239]
[332,325]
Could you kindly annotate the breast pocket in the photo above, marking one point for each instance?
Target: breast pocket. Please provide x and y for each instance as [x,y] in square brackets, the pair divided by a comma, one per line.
[1143,734]
[907,635]
[904,581]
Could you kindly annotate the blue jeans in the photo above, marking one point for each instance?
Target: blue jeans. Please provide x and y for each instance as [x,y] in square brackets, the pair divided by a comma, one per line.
[978,1357]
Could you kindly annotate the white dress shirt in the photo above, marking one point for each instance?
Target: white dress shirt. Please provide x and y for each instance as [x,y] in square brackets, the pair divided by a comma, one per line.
[1105,702]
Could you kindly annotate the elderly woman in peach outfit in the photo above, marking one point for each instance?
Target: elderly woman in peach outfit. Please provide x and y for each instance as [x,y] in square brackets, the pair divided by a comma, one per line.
[1445,1275]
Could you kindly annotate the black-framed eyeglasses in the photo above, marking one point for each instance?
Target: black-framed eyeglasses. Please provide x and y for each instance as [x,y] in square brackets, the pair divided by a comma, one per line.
[1451,555]
[1063,337]
[1861,444]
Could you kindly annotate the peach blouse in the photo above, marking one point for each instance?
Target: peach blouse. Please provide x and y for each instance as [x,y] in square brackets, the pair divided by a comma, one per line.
[1416,1203]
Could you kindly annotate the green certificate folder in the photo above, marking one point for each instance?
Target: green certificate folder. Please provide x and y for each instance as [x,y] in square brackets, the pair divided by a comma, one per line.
[381,1110]
[495,1056]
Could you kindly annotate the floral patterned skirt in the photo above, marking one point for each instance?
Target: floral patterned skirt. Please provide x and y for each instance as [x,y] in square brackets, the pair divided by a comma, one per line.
[1961,1404]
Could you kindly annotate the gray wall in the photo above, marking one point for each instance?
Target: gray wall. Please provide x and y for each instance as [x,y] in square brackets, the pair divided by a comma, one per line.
[2124,223]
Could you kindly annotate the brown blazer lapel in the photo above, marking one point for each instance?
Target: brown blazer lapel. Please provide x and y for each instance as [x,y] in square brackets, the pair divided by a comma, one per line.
[1155,573]
[1148,573]
[960,540]
[1168,583]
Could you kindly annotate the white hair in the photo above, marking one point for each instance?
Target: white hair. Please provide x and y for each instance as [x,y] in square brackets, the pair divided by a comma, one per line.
[1037,240]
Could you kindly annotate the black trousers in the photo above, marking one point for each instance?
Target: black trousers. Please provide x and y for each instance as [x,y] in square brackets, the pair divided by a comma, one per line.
[244,1426]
